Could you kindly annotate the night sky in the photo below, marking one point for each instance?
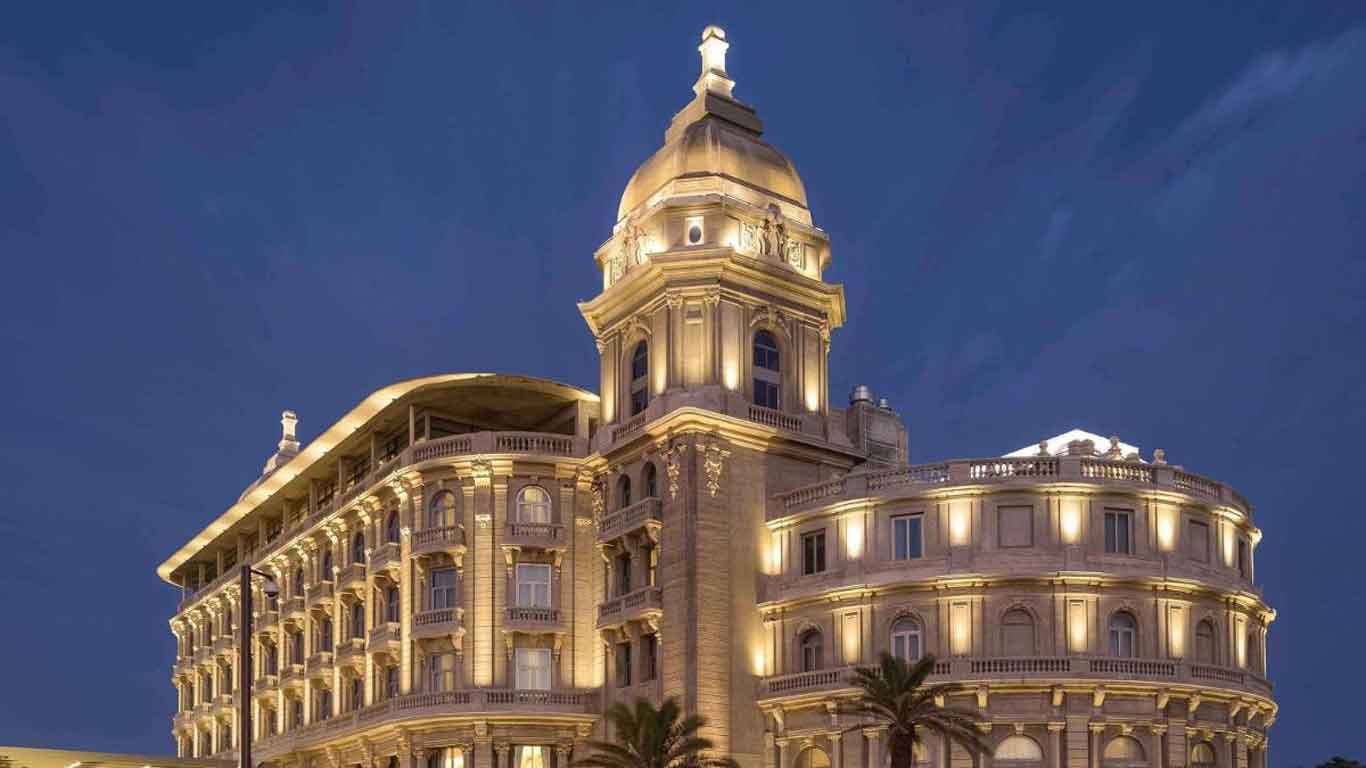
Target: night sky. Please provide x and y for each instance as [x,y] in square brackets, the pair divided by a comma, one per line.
[1134,218]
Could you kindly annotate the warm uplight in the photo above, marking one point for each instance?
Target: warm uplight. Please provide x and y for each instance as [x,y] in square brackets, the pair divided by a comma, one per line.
[1069,513]
[1230,543]
[1176,631]
[732,376]
[812,400]
[1076,626]
[851,638]
[959,526]
[760,662]
[853,537]
[1166,529]
[960,629]
[775,552]
[1240,640]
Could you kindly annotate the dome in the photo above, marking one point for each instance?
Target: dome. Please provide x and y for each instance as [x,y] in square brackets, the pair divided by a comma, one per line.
[713,145]
[712,149]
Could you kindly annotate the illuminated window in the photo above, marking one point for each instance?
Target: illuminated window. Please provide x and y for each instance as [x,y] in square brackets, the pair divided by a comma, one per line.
[441,511]
[1123,752]
[533,505]
[1017,633]
[650,479]
[1017,752]
[907,639]
[640,374]
[813,650]
[813,553]
[1202,756]
[1204,643]
[532,756]
[767,370]
[1123,634]
[906,541]
[533,585]
[813,757]
[533,669]
[1118,526]
[443,589]
[391,529]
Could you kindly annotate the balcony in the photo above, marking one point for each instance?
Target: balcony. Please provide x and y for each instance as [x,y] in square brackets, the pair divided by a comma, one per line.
[184,720]
[630,519]
[265,684]
[319,593]
[319,666]
[292,676]
[823,683]
[445,539]
[292,608]
[352,578]
[532,619]
[350,651]
[634,606]
[536,535]
[438,622]
[268,622]
[385,559]
[223,646]
[184,665]
[385,637]
[203,653]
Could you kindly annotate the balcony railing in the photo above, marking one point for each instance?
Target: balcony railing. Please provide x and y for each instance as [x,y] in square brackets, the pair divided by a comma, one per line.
[776,419]
[384,635]
[836,680]
[532,618]
[319,591]
[1080,469]
[631,606]
[292,607]
[438,539]
[267,621]
[384,557]
[535,534]
[319,662]
[352,577]
[629,519]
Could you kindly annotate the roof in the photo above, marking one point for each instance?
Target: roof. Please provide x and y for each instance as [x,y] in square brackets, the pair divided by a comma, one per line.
[1057,445]
[349,424]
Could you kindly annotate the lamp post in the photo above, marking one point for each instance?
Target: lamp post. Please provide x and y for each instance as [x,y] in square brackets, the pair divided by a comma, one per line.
[244,660]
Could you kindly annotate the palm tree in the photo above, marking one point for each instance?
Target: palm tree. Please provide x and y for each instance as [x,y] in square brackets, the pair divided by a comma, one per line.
[653,738]
[894,694]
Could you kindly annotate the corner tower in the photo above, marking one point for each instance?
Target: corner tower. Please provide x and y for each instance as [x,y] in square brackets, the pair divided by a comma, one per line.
[714,256]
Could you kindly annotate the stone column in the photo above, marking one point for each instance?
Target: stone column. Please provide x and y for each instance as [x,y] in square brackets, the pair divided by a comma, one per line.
[782,752]
[1097,729]
[1055,743]
[504,754]
[836,750]
[1155,752]
[1240,750]
[876,757]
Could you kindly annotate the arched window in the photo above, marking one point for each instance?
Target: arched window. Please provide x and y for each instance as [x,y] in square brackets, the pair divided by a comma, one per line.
[391,527]
[1202,755]
[768,377]
[358,548]
[1017,633]
[1123,634]
[1123,752]
[441,512]
[640,378]
[907,639]
[813,650]
[298,582]
[326,575]
[812,757]
[1018,752]
[651,481]
[533,505]
[1204,643]
[624,492]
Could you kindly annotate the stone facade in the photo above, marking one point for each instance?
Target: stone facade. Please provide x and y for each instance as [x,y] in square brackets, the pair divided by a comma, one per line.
[473,566]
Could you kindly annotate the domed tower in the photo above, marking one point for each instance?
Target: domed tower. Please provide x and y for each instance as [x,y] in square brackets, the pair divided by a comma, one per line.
[713,326]
[713,249]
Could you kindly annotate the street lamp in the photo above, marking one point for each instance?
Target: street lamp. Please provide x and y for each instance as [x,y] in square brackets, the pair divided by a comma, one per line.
[272,591]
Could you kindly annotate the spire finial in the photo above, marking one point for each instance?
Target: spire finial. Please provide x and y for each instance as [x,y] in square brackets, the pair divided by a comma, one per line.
[713,49]
[289,441]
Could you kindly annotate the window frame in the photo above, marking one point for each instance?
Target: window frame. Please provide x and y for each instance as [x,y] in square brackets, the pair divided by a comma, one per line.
[914,538]
[1113,531]
[533,585]
[521,668]
[638,385]
[1117,634]
[811,650]
[449,593]
[814,560]
[904,630]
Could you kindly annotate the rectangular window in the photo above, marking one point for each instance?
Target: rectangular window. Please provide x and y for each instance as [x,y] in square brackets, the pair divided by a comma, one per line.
[1015,526]
[1197,541]
[443,588]
[1118,525]
[651,657]
[324,705]
[441,672]
[906,541]
[533,585]
[623,656]
[1242,558]
[765,393]
[391,604]
[639,399]
[623,573]
[813,552]
[298,713]
[391,682]
[533,669]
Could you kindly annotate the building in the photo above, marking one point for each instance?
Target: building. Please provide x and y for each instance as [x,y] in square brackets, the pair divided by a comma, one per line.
[474,566]
[32,757]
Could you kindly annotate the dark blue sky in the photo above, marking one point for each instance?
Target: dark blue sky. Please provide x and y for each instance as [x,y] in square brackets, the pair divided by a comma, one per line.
[1142,219]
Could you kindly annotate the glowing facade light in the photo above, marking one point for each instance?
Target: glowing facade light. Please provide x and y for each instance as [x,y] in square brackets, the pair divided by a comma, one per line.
[853,537]
[960,627]
[960,526]
[1069,520]
[1076,626]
